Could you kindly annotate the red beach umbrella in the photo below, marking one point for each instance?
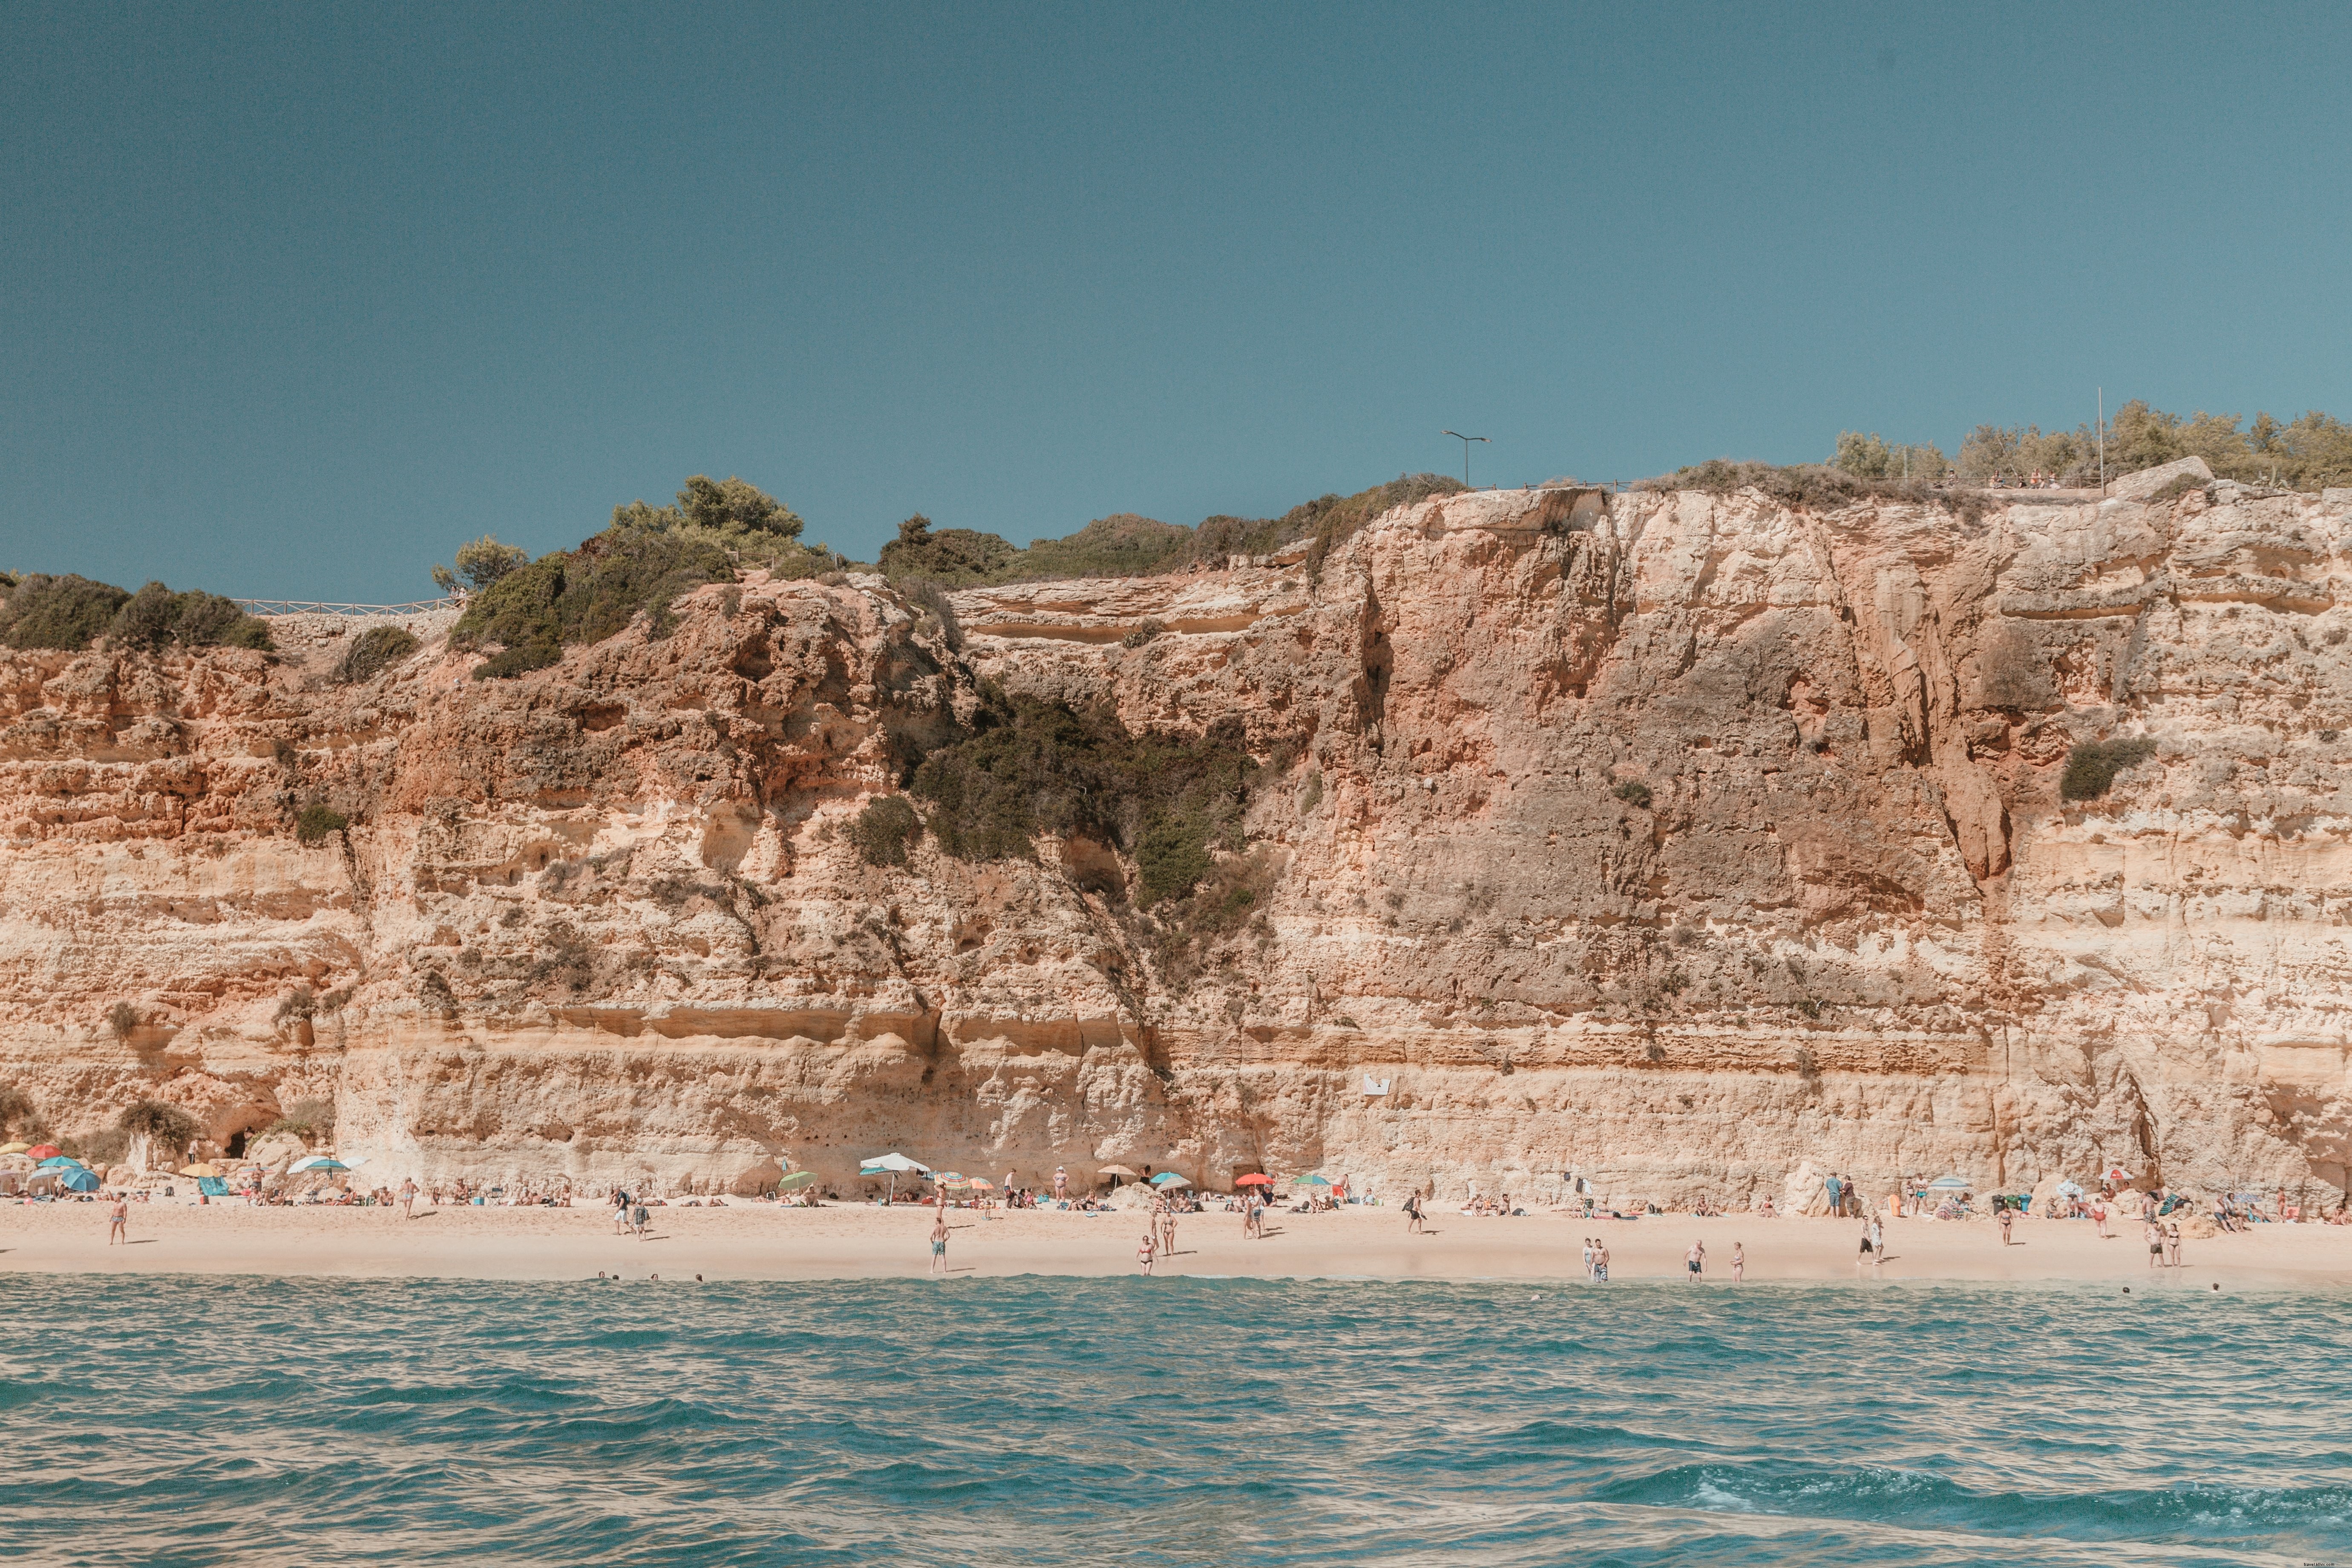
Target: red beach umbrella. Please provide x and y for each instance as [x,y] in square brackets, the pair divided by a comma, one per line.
[1254,1181]
[43,1152]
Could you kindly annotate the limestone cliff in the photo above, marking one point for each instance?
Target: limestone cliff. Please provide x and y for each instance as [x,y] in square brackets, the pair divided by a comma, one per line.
[603,919]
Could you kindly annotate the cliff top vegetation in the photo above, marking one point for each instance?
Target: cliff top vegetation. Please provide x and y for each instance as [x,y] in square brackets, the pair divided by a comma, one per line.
[2311,452]
[71,613]
[1126,545]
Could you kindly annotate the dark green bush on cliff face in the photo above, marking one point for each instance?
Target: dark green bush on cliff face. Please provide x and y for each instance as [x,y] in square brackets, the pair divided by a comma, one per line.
[65,612]
[585,596]
[884,829]
[375,650]
[2092,766]
[1037,767]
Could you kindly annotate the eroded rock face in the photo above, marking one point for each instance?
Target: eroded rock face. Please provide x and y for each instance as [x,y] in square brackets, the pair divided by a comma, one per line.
[1678,840]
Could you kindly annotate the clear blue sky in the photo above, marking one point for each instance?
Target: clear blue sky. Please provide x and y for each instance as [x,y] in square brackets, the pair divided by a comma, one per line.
[296,297]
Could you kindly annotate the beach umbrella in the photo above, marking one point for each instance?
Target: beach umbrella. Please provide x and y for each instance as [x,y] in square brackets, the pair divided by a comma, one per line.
[2118,1174]
[2070,1190]
[1310,1181]
[891,1165]
[797,1181]
[949,1178]
[1254,1180]
[1169,1179]
[1115,1171]
[44,1151]
[62,1163]
[316,1166]
[199,1168]
[980,1184]
[79,1180]
[14,1148]
[1949,1184]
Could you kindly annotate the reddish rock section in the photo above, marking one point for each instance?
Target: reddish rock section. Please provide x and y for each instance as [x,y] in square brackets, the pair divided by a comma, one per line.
[1677,840]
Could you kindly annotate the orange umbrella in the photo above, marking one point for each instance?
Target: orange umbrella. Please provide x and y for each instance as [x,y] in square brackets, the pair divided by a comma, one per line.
[45,1152]
[1254,1181]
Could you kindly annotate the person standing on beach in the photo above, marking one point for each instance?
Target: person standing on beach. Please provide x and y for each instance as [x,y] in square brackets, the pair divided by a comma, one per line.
[408,1197]
[2154,1238]
[1412,1214]
[2006,1215]
[1143,1252]
[1167,1229]
[1866,1255]
[1588,1257]
[1837,1197]
[1697,1260]
[620,1212]
[117,1218]
[1600,1262]
[1060,1183]
[640,1219]
[939,1241]
[2172,1241]
[1739,1264]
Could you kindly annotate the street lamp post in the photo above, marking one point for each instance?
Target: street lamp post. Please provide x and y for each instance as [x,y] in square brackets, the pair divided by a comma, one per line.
[1465,441]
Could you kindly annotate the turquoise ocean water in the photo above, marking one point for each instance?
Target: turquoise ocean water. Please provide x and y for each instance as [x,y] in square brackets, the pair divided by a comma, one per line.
[1038,1422]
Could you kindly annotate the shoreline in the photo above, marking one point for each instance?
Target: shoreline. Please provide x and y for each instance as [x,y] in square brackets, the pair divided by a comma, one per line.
[758,1241]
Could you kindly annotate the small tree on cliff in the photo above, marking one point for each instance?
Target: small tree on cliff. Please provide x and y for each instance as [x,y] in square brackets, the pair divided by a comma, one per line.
[480,563]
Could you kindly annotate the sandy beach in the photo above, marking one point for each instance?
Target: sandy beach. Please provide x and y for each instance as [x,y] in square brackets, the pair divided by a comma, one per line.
[756,1241]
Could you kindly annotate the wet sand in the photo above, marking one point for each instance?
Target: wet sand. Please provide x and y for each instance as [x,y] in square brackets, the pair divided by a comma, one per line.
[758,1241]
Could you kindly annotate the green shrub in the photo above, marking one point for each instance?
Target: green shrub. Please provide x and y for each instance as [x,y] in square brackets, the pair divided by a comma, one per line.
[1815,487]
[750,525]
[883,830]
[1123,545]
[155,618]
[955,557]
[585,596]
[100,1149]
[1035,767]
[374,652]
[311,1121]
[2091,765]
[1633,793]
[65,612]
[165,1126]
[317,820]
[927,595]
[1126,545]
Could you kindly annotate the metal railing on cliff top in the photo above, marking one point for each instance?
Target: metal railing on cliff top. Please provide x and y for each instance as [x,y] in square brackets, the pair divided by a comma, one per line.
[322,607]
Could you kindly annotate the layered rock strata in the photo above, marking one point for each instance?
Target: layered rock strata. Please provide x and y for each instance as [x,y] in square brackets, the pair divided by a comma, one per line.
[1677,840]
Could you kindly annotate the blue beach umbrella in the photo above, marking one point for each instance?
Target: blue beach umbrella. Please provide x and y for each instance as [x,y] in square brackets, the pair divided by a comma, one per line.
[1310,1181]
[79,1180]
[1169,1179]
[60,1163]
[324,1165]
